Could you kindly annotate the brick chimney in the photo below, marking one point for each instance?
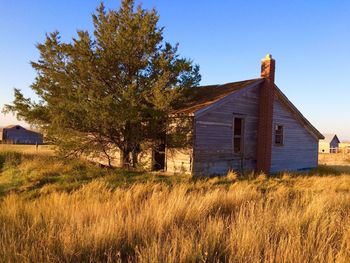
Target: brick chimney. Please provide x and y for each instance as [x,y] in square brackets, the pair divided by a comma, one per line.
[264,147]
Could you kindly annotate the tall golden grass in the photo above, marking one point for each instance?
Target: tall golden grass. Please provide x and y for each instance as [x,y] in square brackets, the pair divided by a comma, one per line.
[342,158]
[291,219]
[28,149]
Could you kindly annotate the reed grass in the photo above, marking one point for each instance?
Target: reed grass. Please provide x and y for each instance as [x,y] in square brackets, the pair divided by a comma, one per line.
[287,218]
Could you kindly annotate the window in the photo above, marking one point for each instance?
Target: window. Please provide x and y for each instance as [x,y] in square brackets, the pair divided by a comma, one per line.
[238,124]
[279,135]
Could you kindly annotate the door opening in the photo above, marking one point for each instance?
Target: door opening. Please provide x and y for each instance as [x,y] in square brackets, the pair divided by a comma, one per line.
[159,157]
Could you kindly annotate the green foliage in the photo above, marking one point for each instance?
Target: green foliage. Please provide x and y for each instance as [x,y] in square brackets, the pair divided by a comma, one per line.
[113,89]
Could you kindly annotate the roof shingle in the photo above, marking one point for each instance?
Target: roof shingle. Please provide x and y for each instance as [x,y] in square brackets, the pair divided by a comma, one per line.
[203,96]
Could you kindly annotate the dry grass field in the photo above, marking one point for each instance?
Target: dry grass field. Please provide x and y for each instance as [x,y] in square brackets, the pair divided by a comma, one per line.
[54,210]
[334,158]
[28,149]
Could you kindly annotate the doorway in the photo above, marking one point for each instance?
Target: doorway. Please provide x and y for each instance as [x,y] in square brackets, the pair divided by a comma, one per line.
[158,162]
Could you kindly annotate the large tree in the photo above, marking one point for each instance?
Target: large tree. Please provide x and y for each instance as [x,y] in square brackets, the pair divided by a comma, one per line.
[112,89]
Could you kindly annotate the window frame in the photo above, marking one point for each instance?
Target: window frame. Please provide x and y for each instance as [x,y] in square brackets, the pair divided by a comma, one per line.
[242,136]
[275,135]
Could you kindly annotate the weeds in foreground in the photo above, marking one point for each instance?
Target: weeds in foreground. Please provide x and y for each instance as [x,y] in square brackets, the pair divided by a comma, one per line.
[54,210]
[184,223]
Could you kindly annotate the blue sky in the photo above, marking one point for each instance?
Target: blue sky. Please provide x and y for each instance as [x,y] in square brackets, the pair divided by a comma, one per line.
[310,41]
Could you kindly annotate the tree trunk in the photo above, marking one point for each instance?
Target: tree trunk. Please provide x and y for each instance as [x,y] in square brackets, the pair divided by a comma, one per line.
[125,158]
[109,161]
[134,159]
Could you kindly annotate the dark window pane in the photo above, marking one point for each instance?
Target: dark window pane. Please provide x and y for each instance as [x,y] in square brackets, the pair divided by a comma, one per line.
[237,145]
[279,134]
[278,139]
[238,126]
[279,128]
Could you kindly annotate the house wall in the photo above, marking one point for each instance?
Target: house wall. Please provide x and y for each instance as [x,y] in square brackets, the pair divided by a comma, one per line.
[179,160]
[179,141]
[144,158]
[19,135]
[300,148]
[213,140]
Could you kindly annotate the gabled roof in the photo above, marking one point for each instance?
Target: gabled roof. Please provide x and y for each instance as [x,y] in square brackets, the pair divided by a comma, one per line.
[11,127]
[14,126]
[204,96]
[329,137]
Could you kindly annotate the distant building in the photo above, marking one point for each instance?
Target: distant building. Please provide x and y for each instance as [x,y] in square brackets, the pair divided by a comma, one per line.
[330,144]
[16,134]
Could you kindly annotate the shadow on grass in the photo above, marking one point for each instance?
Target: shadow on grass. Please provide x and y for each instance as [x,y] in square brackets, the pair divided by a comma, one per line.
[120,177]
[320,171]
[330,170]
[33,175]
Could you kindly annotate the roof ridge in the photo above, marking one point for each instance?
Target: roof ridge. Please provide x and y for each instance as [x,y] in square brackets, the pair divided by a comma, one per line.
[227,83]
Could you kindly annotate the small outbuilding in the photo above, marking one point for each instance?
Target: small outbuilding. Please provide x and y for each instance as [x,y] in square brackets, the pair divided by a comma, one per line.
[330,144]
[16,134]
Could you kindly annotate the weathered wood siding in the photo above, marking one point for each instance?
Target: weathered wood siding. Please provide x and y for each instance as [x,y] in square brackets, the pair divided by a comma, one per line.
[300,148]
[179,160]
[144,158]
[213,140]
[179,150]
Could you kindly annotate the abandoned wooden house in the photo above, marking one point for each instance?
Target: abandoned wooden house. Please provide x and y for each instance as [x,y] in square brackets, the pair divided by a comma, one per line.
[16,134]
[330,144]
[248,125]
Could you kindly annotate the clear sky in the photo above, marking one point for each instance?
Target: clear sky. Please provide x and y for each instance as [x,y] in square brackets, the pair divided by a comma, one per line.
[310,41]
